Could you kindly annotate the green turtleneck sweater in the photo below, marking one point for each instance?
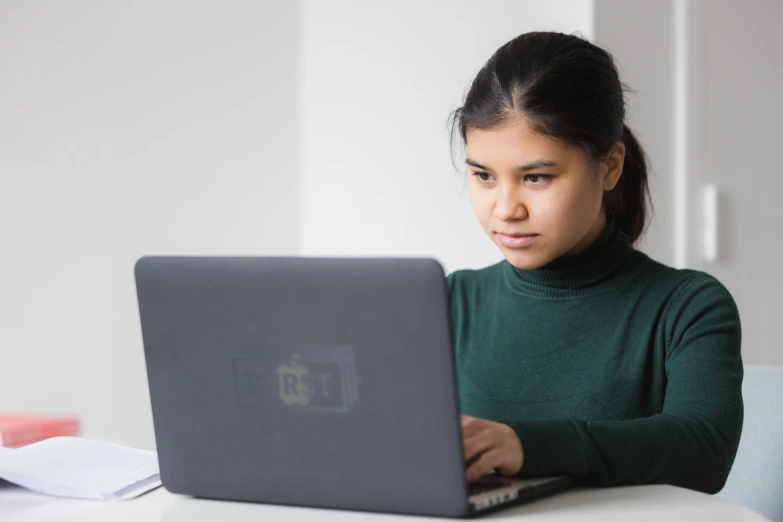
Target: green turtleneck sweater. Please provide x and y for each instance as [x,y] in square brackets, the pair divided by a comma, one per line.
[610,367]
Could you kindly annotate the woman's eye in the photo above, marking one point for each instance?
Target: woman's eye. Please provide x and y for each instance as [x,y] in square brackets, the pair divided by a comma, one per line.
[483,176]
[538,179]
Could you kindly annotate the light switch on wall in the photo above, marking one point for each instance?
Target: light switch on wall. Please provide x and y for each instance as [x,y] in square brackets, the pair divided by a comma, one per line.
[710,222]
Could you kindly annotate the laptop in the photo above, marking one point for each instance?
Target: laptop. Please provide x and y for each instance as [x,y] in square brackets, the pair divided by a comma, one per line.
[314,382]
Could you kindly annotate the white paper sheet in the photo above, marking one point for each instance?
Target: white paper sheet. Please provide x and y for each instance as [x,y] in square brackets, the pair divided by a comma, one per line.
[81,468]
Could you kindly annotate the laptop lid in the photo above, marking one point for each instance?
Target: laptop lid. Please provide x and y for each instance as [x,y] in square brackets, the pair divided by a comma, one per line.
[302,381]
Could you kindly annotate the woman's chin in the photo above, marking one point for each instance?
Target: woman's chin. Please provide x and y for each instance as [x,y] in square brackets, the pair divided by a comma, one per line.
[525,260]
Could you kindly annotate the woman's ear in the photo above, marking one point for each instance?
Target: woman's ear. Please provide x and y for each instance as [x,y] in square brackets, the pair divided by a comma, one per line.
[613,169]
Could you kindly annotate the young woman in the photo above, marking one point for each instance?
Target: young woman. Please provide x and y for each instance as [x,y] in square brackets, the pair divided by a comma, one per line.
[578,354]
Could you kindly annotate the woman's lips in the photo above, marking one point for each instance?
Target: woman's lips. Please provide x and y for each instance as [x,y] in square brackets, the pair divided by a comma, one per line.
[513,240]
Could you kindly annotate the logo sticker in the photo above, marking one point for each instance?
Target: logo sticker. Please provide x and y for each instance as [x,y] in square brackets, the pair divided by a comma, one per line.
[306,378]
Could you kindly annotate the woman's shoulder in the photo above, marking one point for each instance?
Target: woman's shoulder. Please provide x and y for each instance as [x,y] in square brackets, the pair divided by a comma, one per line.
[699,293]
[683,281]
[472,279]
[693,296]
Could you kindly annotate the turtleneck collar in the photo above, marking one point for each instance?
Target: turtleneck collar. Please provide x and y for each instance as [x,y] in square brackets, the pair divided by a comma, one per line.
[575,275]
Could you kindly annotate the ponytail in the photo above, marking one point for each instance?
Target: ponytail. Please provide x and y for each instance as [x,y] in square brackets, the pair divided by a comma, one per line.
[627,203]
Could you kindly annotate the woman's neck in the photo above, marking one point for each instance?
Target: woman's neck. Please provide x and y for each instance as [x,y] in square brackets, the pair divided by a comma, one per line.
[592,235]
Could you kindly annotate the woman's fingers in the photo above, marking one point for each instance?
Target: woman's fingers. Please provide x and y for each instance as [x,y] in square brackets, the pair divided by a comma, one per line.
[483,465]
[477,444]
[471,426]
[481,438]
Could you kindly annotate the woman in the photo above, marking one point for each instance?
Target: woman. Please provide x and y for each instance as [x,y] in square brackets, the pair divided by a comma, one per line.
[578,354]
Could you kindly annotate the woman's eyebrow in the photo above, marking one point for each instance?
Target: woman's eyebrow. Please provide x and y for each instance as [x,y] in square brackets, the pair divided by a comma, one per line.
[530,166]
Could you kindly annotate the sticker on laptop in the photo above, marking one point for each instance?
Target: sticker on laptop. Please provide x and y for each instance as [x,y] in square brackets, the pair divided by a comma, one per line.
[306,378]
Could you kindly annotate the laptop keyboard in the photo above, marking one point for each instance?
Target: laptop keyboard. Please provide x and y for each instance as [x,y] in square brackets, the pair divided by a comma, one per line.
[485,484]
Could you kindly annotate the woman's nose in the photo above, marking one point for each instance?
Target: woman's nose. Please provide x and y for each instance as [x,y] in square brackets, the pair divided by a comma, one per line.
[509,206]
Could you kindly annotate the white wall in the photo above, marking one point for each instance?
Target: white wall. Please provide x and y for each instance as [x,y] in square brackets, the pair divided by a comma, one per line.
[738,118]
[729,90]
[380,80]
[182,127]
[130,128]
[640,36]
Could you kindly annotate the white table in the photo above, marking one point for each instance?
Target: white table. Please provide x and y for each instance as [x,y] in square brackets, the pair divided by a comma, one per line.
[639,504]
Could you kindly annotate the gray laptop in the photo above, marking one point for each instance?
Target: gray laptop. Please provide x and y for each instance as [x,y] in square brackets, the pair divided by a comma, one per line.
[310,382]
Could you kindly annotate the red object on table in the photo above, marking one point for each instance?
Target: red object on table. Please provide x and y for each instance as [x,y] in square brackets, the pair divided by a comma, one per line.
[21,430]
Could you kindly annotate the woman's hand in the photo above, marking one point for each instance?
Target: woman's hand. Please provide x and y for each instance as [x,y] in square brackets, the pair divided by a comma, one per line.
[489,445]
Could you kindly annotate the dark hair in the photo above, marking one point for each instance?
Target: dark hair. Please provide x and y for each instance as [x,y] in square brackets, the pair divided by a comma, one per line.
[570,90]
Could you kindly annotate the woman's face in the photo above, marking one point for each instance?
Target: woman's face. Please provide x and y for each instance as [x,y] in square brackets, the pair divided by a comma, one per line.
[536,198]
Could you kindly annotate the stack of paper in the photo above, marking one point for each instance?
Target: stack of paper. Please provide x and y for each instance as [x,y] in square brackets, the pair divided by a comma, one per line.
[81,468]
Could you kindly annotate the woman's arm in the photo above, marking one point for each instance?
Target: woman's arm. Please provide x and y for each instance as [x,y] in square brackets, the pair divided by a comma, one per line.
[693,441]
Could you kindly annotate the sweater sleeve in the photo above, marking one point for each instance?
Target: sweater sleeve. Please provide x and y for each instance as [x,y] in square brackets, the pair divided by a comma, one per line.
[693,441]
